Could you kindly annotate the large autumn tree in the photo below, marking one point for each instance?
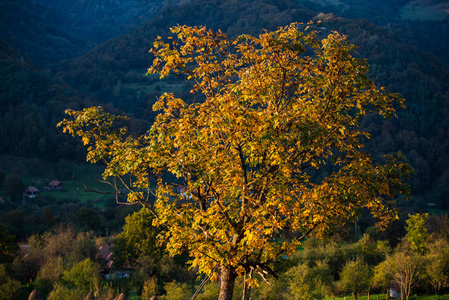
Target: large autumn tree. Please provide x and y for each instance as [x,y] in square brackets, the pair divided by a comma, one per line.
[269,113]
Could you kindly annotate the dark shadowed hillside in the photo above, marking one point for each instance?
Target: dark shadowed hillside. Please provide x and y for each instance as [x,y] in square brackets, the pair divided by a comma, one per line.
[420,132]
[37,31]
[115,71]
[101,20]
[32,102]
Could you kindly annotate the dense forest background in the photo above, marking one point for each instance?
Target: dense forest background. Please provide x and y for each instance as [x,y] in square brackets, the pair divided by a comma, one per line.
[72,54]
[58,54]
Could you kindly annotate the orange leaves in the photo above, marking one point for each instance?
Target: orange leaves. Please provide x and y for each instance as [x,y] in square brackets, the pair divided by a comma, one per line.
[277,108]
[95,127]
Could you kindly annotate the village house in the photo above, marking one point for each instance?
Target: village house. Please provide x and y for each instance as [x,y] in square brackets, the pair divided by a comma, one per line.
[54,185]
[105,255]
[31,192]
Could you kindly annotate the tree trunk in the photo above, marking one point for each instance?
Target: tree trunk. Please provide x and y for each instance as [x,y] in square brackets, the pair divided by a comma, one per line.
[246,288]
[227,281]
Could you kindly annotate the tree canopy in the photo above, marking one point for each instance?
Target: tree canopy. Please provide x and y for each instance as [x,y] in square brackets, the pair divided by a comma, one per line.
[417,231]
[356,276]
[138,237]
[270,113]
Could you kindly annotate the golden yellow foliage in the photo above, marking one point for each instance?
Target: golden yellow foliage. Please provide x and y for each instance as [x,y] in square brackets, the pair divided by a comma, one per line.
[276,108]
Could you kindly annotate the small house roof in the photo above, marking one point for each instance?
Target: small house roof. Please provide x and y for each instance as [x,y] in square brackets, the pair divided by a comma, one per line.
[121,297]
[31,189]
[55,183]
[35,295]
[104,252]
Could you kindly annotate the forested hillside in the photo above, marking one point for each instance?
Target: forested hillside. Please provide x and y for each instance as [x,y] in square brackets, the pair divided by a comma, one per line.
[98,21]
[396,63]
[39,81]
[44,70]
[50,30]
[37,31]
[420,131]
[31,102]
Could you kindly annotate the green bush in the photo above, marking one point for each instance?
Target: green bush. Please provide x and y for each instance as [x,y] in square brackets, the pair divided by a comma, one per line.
[177,291]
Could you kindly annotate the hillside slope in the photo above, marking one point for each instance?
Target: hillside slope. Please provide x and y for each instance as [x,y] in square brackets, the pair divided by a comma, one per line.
[100,20]
[32,102]
[113,73]
[37,31]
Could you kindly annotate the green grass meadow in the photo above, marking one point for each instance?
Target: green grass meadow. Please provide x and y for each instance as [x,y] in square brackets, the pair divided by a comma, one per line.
[81,178]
